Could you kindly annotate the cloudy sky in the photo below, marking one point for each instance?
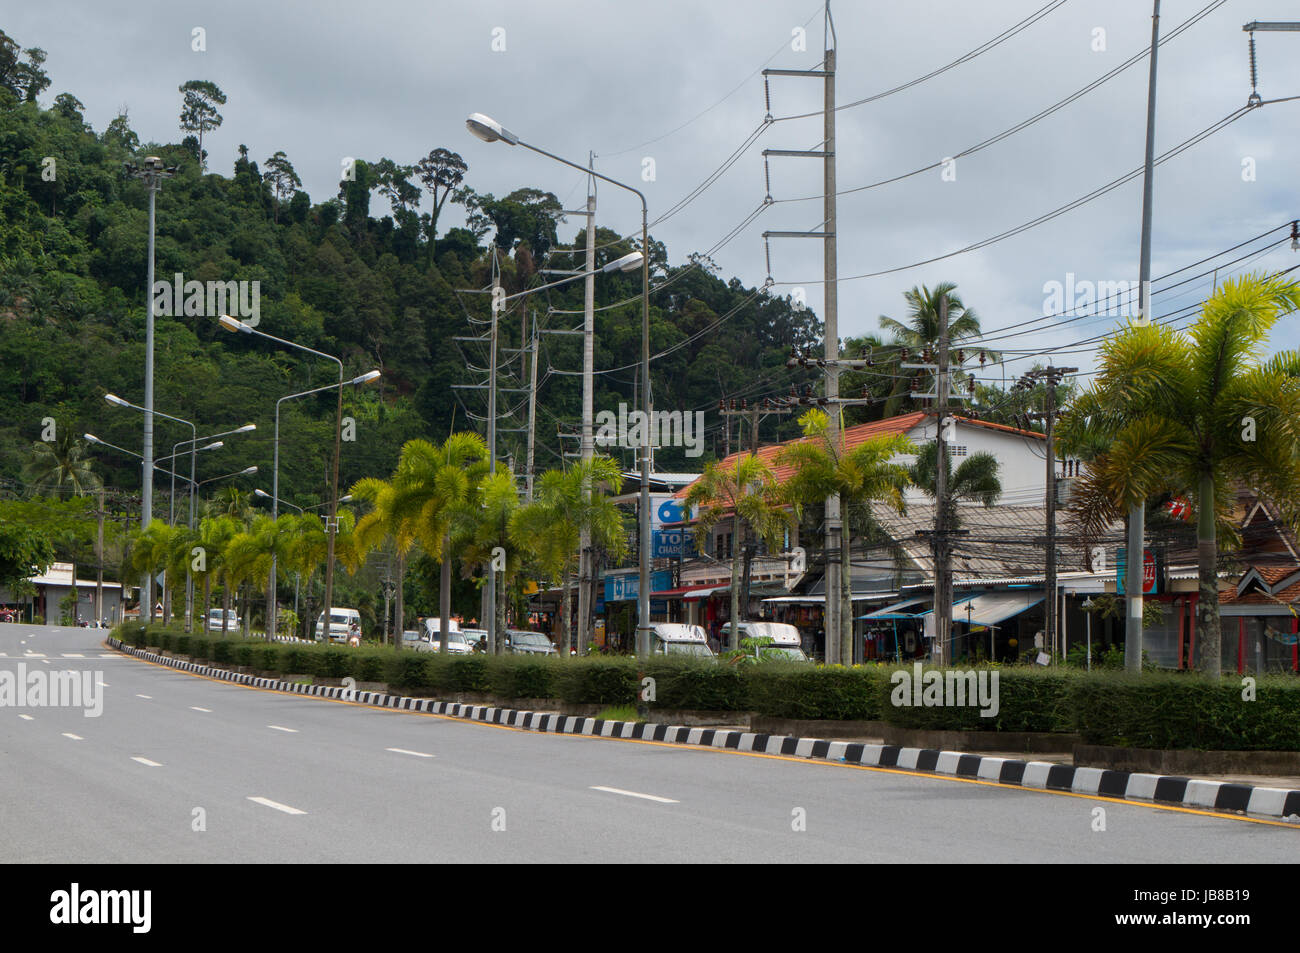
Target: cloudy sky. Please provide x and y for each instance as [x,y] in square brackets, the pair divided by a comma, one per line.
[676,85]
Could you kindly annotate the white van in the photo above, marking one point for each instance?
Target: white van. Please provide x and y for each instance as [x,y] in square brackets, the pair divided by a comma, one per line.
[786,644]
[341,621]
[678,638]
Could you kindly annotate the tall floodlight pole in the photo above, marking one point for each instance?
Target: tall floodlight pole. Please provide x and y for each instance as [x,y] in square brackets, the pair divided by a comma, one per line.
[1137,512]
[152,172]
[489,130]
[332,523]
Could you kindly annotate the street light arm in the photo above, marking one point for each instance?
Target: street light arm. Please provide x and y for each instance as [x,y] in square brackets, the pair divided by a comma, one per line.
[587,171]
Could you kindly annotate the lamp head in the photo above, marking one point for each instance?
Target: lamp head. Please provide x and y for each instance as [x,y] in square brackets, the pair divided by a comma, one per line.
[247,428]
[262,493]
[626,263]
[248,471]
[216,445]
[115,400]
[234,324]
[367,377]
[489,130]
[91,438]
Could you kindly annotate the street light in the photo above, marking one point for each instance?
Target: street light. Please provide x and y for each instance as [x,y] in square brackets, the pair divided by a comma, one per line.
[275,487]
[149,413]
[151,171]
[331,525]
[489,130]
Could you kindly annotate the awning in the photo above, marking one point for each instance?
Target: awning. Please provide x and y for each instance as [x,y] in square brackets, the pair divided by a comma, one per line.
[798,600]
[688,592]
[990,608]
[899,610]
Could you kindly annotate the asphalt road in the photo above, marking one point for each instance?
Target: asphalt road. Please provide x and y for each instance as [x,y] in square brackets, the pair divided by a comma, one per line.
[276,777]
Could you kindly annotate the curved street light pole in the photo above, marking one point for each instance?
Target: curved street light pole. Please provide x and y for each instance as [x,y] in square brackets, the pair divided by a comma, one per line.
[489,130]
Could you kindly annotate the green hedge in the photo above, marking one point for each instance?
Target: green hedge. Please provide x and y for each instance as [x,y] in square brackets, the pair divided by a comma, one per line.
[1155,710]
[1029,699]
[1168,710]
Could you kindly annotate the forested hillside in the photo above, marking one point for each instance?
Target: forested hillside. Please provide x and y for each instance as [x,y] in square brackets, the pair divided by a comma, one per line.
[367,275]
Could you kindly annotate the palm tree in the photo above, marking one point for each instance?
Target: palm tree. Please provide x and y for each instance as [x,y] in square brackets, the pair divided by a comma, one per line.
[566,503]
[430,483]
[306,548]
[922,329]
[859,475]
[974,479]
[481,533]
[214,534]
[380,525]
[62,462]
[1191,412]
[747,492]
[148,551]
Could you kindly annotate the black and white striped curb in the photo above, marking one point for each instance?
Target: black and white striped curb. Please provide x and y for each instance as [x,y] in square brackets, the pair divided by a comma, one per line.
[1040,775]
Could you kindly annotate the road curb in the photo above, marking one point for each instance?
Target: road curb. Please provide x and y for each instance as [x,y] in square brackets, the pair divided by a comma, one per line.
[1223,796]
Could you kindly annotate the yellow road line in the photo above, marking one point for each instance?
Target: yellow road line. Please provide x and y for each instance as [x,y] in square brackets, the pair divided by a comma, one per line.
[734,751]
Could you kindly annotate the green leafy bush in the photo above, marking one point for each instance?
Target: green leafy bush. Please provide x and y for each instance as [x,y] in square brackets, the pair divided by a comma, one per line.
[1028,699]
[598,681]
[696,684]
[791,690]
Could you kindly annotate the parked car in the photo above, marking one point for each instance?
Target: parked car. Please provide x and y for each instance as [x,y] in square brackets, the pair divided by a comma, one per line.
[525,642]
[477,639]
[430,640]
[341,624]
[786,644]
[214,620]
[678,638]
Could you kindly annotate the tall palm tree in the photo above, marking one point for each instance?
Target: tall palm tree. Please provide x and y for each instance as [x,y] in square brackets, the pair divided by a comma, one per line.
[922,327]
[859,475]
[481,532]
[377,527]
[974,479]
[62,463]
[747,492]
[430,483]
[214,534]
[306,547]
[148,552]
[1194,411]
[567,502]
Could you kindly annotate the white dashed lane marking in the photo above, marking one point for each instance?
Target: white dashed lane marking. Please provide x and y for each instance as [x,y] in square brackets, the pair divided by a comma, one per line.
[147,762]
[414,754]
[267,802]
[648,797]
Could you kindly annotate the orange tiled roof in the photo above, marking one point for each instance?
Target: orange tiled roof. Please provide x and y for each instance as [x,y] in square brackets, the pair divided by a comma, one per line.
[853,437]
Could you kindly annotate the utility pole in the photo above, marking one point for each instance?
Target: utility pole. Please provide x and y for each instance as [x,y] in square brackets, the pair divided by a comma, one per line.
[942,568]
[99,559]
[532,412]
[588,385]
[839,615]
[759,410]
[490,608]
[1051,378]
[1137,513]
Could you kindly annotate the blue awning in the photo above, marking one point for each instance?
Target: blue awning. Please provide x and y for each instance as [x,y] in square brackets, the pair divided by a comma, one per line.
[899,610]
[990,608]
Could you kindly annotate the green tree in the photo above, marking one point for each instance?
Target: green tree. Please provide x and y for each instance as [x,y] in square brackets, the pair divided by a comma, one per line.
[860,475]
[922,327]
[62,464]
[747,492]
[567,502]
[441,172]
[1192,412]
[974,479]
[431,482]
[199,111]
[282,179]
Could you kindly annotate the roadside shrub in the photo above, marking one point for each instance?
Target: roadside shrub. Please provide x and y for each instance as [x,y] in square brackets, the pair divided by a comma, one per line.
[516,676]
[469,673]
[791,690]
[333,662]
[132,633]
[297,660]
[598,681]
[369,666]
[1028,699]
[266,656]
[1170,710]
[406,670]
[695,684]
[222,650]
